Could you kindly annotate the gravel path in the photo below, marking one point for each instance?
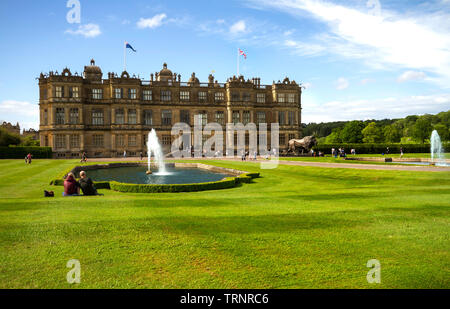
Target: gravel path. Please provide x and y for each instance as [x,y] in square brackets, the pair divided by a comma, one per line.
[393,167]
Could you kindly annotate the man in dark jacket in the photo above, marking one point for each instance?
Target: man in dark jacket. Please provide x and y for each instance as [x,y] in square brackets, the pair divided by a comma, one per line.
[87,185]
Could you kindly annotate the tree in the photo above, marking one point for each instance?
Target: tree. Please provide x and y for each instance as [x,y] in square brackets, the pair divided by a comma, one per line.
[372,133]
[392,133]
[29,141]
[443,131]
[422,129]
[351,133]
[334,137]
[7,138]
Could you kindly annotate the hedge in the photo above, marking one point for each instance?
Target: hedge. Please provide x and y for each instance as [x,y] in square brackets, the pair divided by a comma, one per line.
[97,184]
[225,183]
[377,148]
[19,152]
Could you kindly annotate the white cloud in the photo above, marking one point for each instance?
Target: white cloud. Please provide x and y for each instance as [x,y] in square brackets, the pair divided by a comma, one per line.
[413,40]
[411,75]
[238,27]
[305,49]
[342,83]
[26,113]
[152,22]
[88,30]
[372,108]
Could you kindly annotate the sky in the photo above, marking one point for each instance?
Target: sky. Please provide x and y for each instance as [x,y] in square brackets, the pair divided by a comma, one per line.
[356,59]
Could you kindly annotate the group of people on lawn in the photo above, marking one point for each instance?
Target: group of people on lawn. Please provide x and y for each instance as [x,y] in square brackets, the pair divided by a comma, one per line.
[72,186]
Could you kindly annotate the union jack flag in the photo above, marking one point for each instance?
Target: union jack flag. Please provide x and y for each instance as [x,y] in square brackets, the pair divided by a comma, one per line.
[241,52]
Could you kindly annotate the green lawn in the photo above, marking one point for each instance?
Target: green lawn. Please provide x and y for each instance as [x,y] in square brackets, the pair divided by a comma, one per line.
[295,227]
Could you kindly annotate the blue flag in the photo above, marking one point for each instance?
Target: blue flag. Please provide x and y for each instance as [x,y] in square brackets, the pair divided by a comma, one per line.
[127,45]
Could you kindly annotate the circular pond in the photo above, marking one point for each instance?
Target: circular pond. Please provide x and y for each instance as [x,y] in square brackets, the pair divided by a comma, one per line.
[137,175]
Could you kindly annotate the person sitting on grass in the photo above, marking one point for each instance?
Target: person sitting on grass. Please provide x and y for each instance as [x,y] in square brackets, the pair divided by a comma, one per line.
[87,185]
[71,186]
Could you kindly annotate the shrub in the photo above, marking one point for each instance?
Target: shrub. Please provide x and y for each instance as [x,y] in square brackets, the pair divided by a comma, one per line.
[377,148]
[226,183]
[19,152]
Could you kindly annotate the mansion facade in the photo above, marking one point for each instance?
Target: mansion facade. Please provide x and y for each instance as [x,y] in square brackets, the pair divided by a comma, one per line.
[104,117]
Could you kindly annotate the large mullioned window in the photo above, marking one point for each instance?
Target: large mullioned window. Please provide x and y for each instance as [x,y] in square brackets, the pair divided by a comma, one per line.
[166,117]
[97,117]
[60,115]
[147,95]
[73,116]
[166,95]
[97,94]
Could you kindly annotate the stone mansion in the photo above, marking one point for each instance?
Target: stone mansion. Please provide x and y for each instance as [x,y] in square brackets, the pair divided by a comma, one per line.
[104,117]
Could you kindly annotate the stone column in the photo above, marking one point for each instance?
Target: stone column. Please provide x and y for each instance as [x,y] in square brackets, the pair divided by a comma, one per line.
[82,141]
[68,142]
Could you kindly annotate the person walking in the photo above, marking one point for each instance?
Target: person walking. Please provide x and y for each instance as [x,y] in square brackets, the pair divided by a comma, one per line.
[83,157]
[141,155]
[124,153]
[29,158]
[401,152]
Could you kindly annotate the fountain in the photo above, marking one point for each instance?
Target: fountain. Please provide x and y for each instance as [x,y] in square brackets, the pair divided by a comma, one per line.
[154,147]
[436,150]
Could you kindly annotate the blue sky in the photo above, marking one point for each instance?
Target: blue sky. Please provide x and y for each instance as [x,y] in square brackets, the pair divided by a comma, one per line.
[358,59]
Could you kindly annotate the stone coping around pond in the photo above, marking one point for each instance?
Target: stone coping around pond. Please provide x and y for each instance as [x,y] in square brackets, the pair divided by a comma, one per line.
[235,178]
[217,169]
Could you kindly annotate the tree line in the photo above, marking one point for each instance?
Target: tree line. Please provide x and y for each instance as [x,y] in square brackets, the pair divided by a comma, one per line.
[7,138]
[411,129]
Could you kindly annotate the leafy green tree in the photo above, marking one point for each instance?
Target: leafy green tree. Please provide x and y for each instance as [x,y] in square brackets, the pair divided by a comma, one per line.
[422,129]
[29,141]
[372,133]
[6,138]
[352,132]
[443,131]
[392,133]
[334,137]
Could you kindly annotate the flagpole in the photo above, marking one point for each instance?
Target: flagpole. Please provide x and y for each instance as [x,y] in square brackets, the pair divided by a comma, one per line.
[238,63]
[124,57]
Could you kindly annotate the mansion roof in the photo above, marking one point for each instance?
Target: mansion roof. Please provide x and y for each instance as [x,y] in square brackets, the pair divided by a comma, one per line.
[92,74]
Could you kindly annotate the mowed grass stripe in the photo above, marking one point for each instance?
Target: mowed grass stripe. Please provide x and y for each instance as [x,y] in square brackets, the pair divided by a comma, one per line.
[295,227]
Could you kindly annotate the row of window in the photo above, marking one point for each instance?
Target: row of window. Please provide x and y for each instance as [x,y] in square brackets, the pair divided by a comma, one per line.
[98,140]
[74,92]
[166,95]
[166,117]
